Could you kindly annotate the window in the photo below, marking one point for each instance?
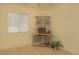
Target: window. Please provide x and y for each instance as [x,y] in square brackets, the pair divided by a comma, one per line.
[17,22]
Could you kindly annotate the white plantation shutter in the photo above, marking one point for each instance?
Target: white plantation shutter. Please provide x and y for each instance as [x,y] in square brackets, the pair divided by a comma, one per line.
[24,23]
[17,22]
[13,22]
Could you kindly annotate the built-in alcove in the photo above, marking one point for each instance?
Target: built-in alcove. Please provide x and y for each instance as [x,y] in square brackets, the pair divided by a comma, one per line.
[42,36]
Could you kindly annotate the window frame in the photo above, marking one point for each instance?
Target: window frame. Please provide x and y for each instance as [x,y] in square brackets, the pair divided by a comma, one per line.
[21,14]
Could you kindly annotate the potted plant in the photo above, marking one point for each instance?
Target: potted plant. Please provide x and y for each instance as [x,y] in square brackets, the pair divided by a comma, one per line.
[56,45]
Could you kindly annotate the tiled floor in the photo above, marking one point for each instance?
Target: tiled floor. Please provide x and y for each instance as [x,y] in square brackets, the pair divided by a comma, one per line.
[33,51]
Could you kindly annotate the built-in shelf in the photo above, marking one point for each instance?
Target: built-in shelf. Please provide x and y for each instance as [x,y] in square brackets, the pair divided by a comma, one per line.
[42,29]
[42,34]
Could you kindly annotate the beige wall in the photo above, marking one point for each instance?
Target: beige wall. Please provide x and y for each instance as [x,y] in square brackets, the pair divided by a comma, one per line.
[64,25]
[10,40]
